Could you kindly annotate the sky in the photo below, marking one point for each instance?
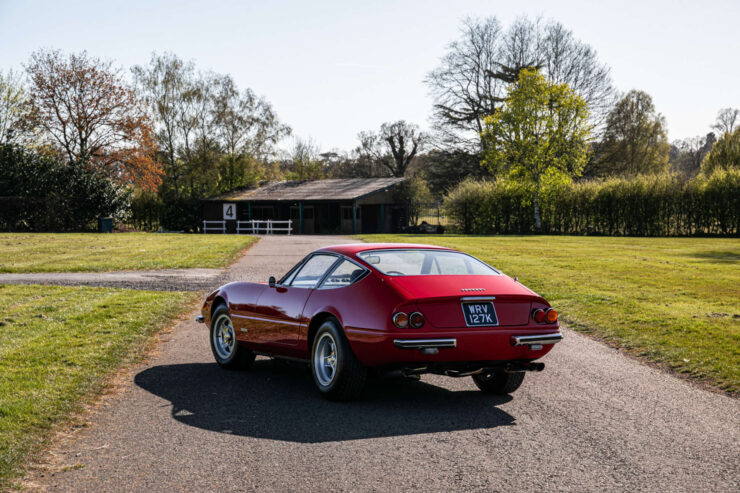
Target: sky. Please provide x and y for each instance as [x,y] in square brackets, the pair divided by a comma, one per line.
[334,68]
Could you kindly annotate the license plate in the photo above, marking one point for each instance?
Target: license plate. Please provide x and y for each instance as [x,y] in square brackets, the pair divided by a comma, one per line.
[479,314]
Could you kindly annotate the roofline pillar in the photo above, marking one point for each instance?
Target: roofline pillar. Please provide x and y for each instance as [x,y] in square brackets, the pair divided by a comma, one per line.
[300,218]
[354,217]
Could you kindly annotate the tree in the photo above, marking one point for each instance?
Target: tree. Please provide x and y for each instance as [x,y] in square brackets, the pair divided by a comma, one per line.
[213,136]
[728,119]
[725,154]
[394,146]
[13,107]
[539,136]
[166,88]
[474,75]
[305,162]
[635,140]
[248,131]
[686,155]
[90,113]
[445,169]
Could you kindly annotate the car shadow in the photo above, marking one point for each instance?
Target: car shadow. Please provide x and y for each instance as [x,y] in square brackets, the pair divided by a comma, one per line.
[278,401]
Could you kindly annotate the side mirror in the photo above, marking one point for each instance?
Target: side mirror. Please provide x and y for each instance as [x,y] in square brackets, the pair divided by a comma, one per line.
[271,281]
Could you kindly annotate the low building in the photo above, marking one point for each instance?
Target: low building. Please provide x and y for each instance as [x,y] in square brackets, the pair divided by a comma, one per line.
[336,206]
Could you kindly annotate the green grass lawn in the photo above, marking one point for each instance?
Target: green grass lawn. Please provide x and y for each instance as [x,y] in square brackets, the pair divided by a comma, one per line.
[79,252]
[673,300]
[58,345]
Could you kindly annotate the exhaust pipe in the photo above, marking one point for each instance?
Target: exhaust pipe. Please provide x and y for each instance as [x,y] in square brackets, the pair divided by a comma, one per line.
[536,366]
[524,366]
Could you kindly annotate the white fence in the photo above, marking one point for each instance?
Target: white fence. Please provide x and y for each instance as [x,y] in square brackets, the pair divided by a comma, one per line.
[255,226]
[221,226]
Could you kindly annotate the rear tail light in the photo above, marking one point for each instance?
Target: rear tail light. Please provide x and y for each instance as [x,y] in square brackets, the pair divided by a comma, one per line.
[416,320]
[548,316]
[400,320]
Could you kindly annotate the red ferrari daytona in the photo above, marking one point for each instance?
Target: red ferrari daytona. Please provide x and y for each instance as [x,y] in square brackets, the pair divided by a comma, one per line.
[412,309]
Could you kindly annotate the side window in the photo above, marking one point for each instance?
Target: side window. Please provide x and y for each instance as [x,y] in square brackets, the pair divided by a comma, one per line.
[312,271]
[345,274]
[288,277]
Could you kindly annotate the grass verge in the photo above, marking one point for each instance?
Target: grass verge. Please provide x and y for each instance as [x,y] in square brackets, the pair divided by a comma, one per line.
[88,252]
[58,346]
[672,300]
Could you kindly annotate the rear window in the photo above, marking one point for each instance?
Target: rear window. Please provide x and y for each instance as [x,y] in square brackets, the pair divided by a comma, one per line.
[426,263]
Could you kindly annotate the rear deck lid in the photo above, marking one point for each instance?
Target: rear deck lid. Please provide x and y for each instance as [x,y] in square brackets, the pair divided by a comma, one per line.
[441,299]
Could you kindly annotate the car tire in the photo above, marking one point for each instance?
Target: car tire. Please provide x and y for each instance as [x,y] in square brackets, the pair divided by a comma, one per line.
[226,349]
[499,383]
[336,371]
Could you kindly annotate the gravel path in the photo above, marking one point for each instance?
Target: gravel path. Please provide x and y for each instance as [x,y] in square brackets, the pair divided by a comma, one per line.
[594,420]
[157,280]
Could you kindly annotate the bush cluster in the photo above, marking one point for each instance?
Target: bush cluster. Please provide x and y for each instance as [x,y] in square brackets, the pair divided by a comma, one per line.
[150,211]
[44,193]
[645,206]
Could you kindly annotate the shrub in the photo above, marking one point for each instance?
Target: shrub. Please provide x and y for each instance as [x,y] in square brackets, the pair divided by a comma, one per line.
[660,205]
[42,193]
[146,208]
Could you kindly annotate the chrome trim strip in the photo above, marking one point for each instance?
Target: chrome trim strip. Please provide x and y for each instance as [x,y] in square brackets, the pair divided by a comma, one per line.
[536,339]
[285,322]
[424,343]
[477,298]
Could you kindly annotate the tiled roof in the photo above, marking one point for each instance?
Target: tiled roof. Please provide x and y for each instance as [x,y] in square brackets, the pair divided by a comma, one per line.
[334,189]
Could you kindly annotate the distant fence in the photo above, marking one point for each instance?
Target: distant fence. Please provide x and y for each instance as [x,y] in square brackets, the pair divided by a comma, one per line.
[266,226]
[426,218]
[214,227]
[255,226]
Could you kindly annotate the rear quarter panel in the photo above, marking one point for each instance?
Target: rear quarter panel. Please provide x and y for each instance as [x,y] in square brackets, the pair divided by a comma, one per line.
[364,306]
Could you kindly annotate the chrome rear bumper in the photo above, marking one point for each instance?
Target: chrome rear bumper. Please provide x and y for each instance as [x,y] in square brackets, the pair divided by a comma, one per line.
[200,319]
[535,340]
[424,343]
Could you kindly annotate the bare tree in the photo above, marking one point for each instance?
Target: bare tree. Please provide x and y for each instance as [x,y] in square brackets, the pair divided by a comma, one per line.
[87,110]
[305,160]
[13,107]
[728,119]
[246,123]
[465,86]
[471,80]
[165,85]
[686,155]
[394,147]
[211,134]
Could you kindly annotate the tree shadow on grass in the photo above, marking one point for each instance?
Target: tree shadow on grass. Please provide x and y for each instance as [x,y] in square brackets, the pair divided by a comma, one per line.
[279,402]
[718,256]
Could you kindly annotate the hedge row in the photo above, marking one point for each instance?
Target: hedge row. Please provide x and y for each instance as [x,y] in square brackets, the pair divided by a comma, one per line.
[43,193]
[646,206]
[150,212]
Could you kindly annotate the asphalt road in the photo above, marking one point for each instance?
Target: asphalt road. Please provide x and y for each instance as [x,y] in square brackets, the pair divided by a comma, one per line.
[594,420]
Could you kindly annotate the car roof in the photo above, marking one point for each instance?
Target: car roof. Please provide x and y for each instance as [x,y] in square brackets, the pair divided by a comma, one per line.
[354,248]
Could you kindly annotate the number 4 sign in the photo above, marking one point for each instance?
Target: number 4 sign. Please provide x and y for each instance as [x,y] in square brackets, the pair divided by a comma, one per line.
[229,211]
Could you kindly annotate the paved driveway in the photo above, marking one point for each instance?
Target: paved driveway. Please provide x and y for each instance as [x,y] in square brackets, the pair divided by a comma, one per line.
[593,421]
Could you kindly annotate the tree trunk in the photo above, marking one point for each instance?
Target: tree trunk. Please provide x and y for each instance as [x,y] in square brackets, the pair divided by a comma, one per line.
[537,217]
